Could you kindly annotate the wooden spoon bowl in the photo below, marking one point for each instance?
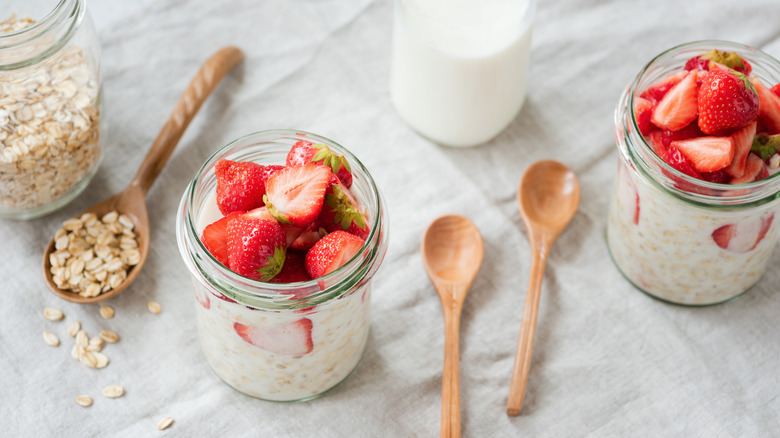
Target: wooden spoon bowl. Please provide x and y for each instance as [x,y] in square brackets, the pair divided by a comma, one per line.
[132,200]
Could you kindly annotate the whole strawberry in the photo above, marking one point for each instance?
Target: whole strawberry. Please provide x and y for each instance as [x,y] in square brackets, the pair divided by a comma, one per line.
[256,247]
[727,101]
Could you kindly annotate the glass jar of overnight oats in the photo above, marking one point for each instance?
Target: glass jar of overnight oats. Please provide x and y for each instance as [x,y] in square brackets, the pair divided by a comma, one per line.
[280,342]
[50,105]
[678,238]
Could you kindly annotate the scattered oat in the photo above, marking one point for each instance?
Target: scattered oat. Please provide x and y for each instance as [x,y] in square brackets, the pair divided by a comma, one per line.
[82,338]
[107,312]
[113,391]
[74,329]
[165,423]
[53,314]
[84,400]
[88,359]
[109,336]
[51,339]
[153,307]
[101,359]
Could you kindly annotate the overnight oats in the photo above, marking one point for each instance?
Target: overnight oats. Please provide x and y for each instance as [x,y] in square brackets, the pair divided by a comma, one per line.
[282,232]
[693,213]
[50,105]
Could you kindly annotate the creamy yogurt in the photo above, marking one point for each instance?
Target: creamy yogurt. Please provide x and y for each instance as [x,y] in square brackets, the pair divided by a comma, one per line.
[459,67]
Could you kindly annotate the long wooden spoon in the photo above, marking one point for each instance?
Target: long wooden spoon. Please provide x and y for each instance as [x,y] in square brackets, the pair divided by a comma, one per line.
[548,197]
[132,200]
[452,252]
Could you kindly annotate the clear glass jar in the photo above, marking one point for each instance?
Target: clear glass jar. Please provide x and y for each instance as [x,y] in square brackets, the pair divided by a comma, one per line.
[50,105]
[233,310]
[661,230]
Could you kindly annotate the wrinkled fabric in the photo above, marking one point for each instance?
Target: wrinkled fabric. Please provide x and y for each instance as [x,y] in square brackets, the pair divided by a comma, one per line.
[607,360]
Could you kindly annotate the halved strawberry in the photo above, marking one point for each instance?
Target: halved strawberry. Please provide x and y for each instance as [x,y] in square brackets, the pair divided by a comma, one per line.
[310,235]
[727,101]
[755,169]
[643,111]
[341,211]
[293,271]
[776,89]
[658,90]
[304,152]
[743,236]
[332,252]
[240,185]
[294,195]
[256,247]
[706,154]
[214,237]
[290,232]
[679,106]
[743,141]
[768,107]
[290,339]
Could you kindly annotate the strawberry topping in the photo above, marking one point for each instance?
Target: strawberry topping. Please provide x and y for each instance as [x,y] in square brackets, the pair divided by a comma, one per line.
[240,185]
[727,101]
[294,195]
[679,106]
[256,247]
[331,252]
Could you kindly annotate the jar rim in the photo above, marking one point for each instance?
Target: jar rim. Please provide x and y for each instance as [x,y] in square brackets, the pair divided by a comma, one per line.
[50,23]
[662,173]
[358,270]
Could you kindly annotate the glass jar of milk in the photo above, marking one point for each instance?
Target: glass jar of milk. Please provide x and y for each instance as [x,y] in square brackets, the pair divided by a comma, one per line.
[459,66]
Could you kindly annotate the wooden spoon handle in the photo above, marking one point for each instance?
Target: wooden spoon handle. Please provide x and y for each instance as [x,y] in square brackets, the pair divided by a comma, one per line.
[527,330]
[209,75]
[450,390]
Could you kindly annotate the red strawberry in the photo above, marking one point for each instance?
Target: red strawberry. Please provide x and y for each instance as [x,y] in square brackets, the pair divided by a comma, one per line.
[202,298]
[776,89]
[755,169]
[256,248]
[293,270]
[294,195]
[643,111]
[340,211]
[727,101]
[214,237]
[743,141]
[678,107]
[290,232]
[718,176]
[743,236]
[769,106]
[304,152]
[706,154]
[239,185]
[311,235]
[662,146]
[658,90]
[290,339]
[332,252]
[730,59]
[270,170]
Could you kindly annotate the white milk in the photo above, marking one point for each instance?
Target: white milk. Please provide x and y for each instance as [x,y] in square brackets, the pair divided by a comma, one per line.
[459,66]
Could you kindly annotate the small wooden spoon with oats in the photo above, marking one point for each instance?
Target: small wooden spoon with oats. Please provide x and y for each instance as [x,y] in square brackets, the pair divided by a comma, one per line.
[132,200]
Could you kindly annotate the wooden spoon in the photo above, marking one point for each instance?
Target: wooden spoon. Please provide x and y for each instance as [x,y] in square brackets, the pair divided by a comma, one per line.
[132,200]
[452,251]
[548,196]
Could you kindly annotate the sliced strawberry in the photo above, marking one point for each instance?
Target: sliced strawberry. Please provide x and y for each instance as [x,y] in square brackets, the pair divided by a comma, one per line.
[340,211]
[679,106]
[743,236]
[293,271]
[718,176]
[214,237]
[291,233]
[256,247]
[706,154]
[643,111]
[743,141]
[294,195]
[311,235]
[676,159]
[202,298]
[304,152]
[769,106]
[290,339]
[755,169]
[658,90]
[776,89]
[239,185]
[727,101]
[269,170]
[332,252]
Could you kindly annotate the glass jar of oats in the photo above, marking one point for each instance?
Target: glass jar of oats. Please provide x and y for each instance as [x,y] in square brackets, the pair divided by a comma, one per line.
[50,105]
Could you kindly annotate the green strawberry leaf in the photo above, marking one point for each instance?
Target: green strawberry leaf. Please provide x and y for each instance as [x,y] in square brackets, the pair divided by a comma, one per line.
[275,212]
[275,264]
[766,145]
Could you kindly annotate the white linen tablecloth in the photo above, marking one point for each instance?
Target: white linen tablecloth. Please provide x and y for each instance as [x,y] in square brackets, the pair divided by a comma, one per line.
[607,361]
